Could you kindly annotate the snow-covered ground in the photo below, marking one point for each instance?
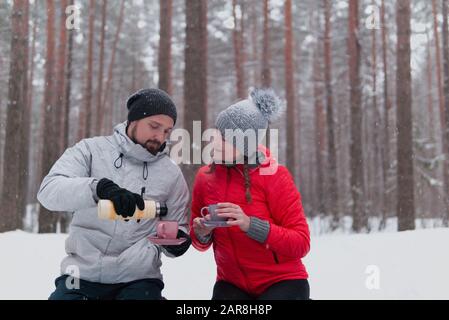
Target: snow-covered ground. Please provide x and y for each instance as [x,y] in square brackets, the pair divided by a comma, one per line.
[406,265]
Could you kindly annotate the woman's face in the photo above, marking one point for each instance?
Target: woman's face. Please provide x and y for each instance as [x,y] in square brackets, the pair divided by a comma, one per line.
[222,151]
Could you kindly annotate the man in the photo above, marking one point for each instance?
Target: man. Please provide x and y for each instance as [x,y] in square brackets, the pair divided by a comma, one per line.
[113,259]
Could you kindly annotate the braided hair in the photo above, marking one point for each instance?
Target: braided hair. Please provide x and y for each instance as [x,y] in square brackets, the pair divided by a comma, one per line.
[247,183]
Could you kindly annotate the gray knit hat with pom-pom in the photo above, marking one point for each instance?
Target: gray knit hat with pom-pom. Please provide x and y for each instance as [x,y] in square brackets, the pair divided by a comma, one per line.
[261,108]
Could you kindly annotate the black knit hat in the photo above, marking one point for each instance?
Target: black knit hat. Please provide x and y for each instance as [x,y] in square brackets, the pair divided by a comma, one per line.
[150,102]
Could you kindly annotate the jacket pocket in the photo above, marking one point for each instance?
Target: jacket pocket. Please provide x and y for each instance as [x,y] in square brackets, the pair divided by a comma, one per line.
[155,256]
[158,254]
[280,258]
[275,257]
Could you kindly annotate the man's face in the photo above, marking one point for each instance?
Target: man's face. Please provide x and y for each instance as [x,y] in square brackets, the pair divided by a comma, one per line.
[151,132]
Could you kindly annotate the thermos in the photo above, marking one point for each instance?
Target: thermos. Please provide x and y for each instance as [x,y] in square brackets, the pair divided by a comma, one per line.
[153,209]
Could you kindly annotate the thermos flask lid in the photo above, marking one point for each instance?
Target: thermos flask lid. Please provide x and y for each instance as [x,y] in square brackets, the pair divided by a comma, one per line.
[163,210]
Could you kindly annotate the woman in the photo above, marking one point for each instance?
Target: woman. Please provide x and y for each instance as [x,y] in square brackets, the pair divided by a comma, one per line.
[259,254]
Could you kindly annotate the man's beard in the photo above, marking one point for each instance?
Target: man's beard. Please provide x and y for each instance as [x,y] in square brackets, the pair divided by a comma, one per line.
[152,146]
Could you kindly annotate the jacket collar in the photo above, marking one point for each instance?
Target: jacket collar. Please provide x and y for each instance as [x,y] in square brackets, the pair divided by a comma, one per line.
[133,150]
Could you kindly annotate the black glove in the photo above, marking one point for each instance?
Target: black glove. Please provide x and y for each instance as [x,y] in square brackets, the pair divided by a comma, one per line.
[180,249]
[124,200]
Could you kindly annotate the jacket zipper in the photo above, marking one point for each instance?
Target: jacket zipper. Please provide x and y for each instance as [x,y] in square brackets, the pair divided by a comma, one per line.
[275,256]
[241,173]
[142,194]
[230,235]
[106,251]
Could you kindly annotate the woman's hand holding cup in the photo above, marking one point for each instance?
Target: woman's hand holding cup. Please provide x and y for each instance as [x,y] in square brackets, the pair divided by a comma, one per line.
[234,215]
[200,228]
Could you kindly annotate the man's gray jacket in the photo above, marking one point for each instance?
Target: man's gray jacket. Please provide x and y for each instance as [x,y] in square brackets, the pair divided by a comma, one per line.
[107,251]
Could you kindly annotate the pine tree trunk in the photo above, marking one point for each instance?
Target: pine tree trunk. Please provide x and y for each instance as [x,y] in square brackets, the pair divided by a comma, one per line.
[101,67]
[446,108]
[406,209]
[438,64]
[134,67]
[12,191]
[319,132]
[25,134]
[47,219]
[61,86]
[255,76]
[429,72]
[266,55]
[61,66]
[165,39]
[290,90]
[31,57]
[378,193]
[106,123]
[195,75]
[432,199]
[65,131]
[84,129]
[332,191]
[386,119]
[239,56]
[356,150]
[31,183]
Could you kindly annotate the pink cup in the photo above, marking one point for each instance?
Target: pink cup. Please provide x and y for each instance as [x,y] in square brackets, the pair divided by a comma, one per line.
[167,229]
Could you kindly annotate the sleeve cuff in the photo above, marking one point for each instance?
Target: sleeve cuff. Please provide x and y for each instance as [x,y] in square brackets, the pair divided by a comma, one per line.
[93,188]
[258,229]
[204,239]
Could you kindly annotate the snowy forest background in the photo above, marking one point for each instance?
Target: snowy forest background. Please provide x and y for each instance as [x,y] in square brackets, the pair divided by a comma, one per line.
[366,84]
